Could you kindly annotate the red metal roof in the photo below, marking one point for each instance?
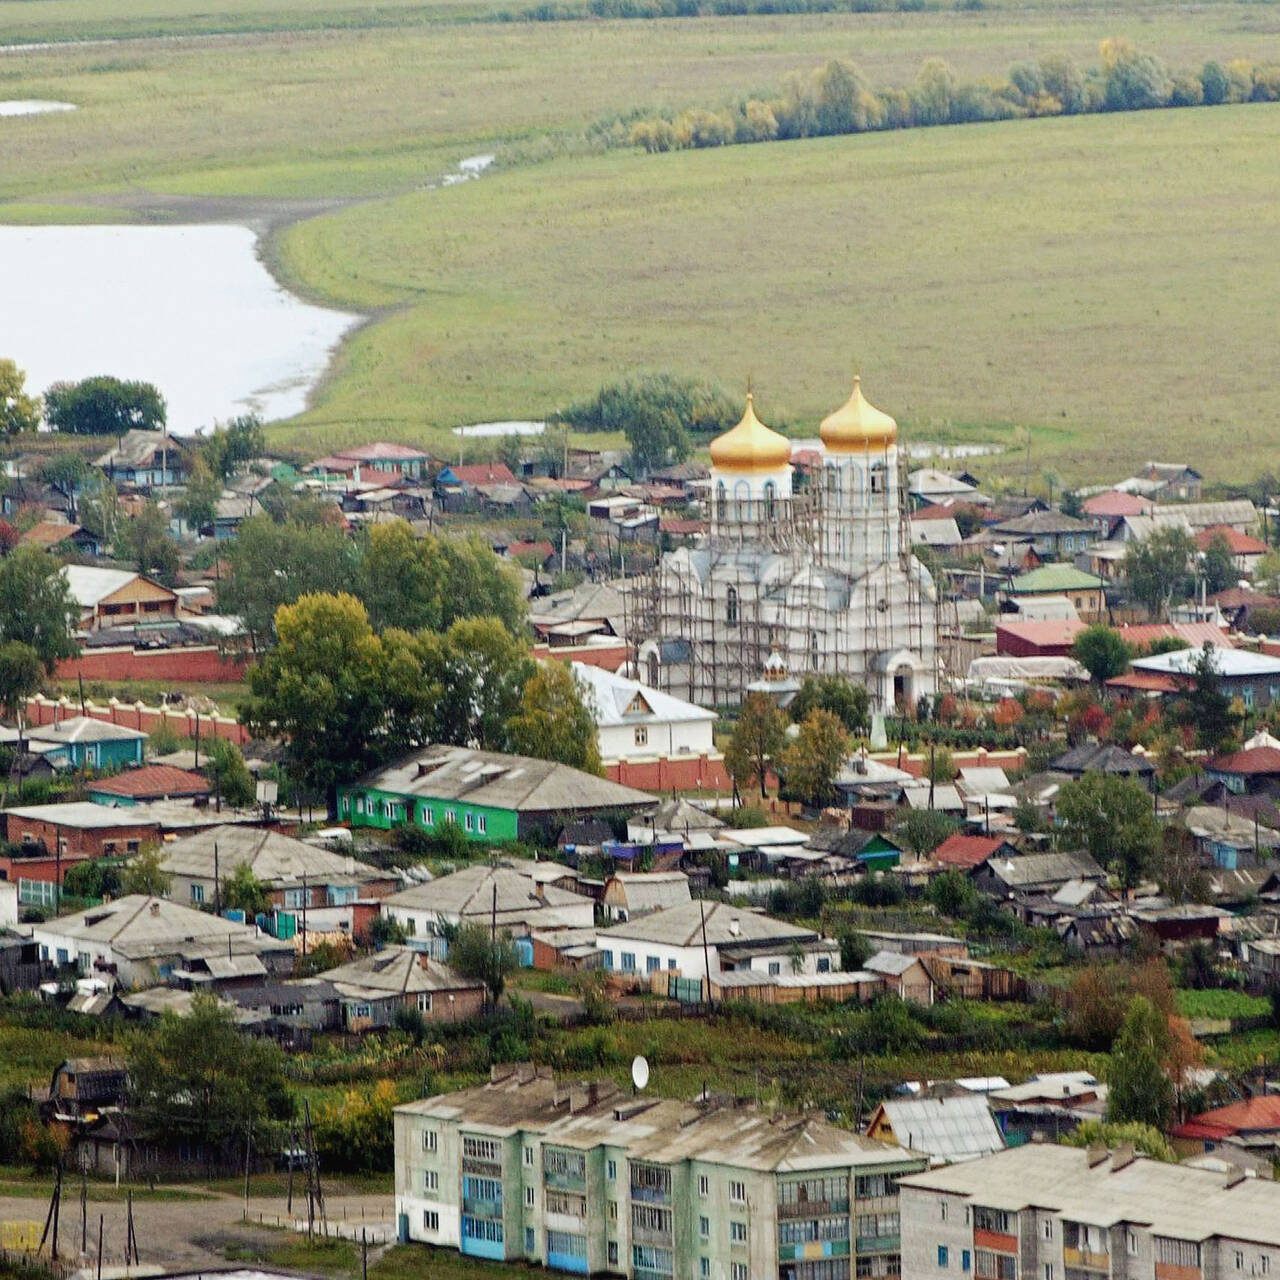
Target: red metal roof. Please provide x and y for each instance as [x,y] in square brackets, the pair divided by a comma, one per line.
[380,450]
[1144,682]
[1192,634]
[1241,544]
[48,533]
[484,473]
[1254,760]
[152,780]
[1241,597]
[1043,633]
[1250,1116]
[1115,503]
[966,851]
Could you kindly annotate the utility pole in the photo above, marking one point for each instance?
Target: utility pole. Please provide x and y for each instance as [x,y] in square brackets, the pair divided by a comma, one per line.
[706,953]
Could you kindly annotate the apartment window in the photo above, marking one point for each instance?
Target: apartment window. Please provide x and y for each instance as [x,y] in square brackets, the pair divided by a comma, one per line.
[1265,1263]
[738,1232]
[703,1185]
[1048,1271]
[480,823]
[482,1149]
[528,1197]
[671,964]
[468,822]
[613,1211]
[942,1255]
[966,1260]
[738,1192]
[428,816]
[1131,1241]
[613,1253]
[608,964]
[611,1168]
[704,1267]
[428,1140]
[704,1228]
[530,1240]
[942,1210]
[642,735]
[528,1157]
[1239,1260]
[990,1220]
[870,1185]
[430,1220]
[739,1271]
[1048,1228]
[628,962]
[197,893]
[431,1180]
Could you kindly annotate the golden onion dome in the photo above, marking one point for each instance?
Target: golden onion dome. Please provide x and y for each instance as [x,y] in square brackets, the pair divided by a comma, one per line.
[750,446]
[857,426]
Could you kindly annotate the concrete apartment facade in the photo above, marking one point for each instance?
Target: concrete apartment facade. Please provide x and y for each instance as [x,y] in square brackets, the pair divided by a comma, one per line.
[582,1178]
[1045,1212]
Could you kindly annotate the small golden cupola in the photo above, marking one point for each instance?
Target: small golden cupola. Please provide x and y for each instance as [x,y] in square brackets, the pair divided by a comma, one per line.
[750,446]
[857,426]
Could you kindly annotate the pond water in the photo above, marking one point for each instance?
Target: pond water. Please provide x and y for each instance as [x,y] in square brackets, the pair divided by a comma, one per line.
[486,429]
[191,309]
[32,106]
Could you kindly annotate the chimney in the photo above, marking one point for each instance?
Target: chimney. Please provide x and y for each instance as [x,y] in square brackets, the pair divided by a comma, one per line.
[735,926]
[1097,1155]
[540,891]
[1124,1157]
[1236,1178]
[155,908]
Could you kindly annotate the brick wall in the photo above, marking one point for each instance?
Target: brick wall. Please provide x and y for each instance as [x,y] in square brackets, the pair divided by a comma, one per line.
[136,715]
[193,665]
[85,842]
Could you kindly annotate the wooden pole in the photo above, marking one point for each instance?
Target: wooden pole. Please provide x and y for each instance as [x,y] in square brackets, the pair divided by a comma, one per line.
[248,1144]
[100,1216]
[84,1211]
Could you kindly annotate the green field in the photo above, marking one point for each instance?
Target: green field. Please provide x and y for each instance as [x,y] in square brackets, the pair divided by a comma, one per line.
[1108,281]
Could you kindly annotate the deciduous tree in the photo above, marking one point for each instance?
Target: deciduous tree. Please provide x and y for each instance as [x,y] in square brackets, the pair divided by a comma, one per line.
[18,410]
[1158,569]
[554,721]
[243,891]
[1140,1089]
[104,406]
[758,739]
[813,758]
[1112,818]
[144,873]
[35,605]
[145,541]
[837,694]
[475,952]
[1101,652]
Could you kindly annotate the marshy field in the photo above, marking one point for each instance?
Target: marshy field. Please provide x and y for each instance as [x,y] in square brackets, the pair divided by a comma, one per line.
[1108,281]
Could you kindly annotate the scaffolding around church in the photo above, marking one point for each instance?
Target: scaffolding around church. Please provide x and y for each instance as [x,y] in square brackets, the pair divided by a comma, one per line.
[715,655]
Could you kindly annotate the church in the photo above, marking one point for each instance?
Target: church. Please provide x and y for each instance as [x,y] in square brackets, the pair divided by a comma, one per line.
[800,574]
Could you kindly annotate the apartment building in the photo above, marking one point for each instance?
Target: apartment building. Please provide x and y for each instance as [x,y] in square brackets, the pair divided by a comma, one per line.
[1043,1212]
[583,1178]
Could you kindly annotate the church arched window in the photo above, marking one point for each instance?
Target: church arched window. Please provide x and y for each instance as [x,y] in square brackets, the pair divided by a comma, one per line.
[879,478]
[731,606]
[814,650]
[741,501]
[833,481]
[771,499]
[653,670]
[722,501]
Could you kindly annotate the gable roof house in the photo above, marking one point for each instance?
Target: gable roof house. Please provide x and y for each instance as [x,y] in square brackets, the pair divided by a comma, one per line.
[964,852]
[84,742]
[491,796]
[1035,873]
[1170,481]
[686,939]
[140,941]
[148,782]
[948,1128]
[514,902]
[117,597]
[373,988]
[1054,536]
[631,894]
[145,460]
[294,874]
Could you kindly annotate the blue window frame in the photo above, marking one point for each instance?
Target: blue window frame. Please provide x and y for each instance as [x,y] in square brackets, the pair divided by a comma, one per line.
[942,1255]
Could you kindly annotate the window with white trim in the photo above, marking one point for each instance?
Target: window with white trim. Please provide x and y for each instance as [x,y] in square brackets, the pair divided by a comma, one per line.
[428,1140]
[430,1220]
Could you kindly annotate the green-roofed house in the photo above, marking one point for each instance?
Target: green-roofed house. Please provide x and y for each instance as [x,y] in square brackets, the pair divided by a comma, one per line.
[1084,590]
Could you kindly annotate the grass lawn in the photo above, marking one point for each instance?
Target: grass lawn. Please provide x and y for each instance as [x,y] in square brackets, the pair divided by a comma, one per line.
[1221,1004]
[28,1055]
[227,695]
[1107,280]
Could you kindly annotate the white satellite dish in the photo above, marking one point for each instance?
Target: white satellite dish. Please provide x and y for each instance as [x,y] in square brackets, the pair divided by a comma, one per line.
[639,1073]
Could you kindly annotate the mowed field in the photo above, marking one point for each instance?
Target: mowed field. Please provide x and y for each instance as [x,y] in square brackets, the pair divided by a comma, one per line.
[1109,282]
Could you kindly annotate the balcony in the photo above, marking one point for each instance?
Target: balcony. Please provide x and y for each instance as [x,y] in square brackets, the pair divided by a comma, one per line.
[474,1207]
[481,1168]
[647,1273]
[813,1250]
[879,1244]
[1086,1260]
[997,1241]
[1176,1271]
[650,1195]
[812,1209]
[652,1235]
[556,1180]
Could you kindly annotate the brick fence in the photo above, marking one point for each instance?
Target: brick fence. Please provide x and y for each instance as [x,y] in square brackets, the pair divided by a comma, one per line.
[137,715]
[195,664]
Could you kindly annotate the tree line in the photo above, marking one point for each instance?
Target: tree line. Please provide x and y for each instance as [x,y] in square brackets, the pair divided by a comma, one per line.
[837,99]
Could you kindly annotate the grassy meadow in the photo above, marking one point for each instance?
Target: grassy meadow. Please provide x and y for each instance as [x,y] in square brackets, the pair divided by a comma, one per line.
[1108,281]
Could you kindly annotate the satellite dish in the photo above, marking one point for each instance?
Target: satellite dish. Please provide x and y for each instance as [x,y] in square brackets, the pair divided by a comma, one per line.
[639,1073]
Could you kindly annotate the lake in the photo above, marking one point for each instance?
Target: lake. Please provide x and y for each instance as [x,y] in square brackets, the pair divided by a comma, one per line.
[191,309]
[32,106]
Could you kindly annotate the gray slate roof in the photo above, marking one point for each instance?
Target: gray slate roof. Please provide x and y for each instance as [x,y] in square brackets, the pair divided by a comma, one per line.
[493,780]
[274,859]
[726,927]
